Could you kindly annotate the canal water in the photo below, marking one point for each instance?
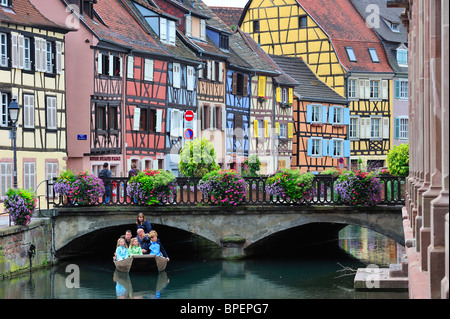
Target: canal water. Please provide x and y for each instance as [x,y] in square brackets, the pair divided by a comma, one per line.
[324,274]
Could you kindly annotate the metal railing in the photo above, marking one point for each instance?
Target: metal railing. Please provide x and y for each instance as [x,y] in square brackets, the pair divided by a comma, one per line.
[187,193]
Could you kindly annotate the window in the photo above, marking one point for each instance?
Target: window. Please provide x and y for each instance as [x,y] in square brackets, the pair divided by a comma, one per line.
[315,147]
[337,148]
[49,58]
[29,175]
[302,22]
[51,113]
[374,55]
[374,89]
[5,177]
[314,113]
[375,127]
[283,130]
[176,75]
[240,84]
[113,119]
[354,127]
[224,42]
[255,25]
[3,50]
[401,127]
[27,53]
[338,115]
[190,78]
[4,110]
[100,117]
[109,64]
[351,54]
[28,111]
[401,89]
[352,88]
[143,120]
[167,32]
[402,57]
[5,3]
[51,171]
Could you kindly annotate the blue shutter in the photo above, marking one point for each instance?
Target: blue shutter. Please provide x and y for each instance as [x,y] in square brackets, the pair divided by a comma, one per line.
[397,128]
[330,148]
[309,113]
[397,89]
[168,113]
[331,117]
[346,116]
[324,113]
[309,147]
[324,148]
[346,148]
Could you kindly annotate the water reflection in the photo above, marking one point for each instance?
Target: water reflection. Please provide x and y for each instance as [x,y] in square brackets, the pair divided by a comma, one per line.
[146,289]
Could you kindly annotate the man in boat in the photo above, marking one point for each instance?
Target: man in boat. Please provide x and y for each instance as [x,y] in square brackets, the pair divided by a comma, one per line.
[144,241]
[156,248]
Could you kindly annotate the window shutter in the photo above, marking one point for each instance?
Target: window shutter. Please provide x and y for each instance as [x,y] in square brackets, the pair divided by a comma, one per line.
[176,75]
[397,128]
[120,66]
[367,89]
[324,113]
[290,130]
[277,128]
[111,65]
[385,89]
[266,128]
[324,147]
[397,89]
[100,63]
[255,128]
[362,90]
[58,57]
[213,70]
[163,29]
[136,118]
[386,127]
[43,55]
[130,67]
[367,127]
[346,112]
[221,68]
[148,70]
[218,111]
[245,86]
[309,147]
[159,116]
[234,84]
[309,113]
[190,78]
[224,118]
[37,54]
[330,148]
[331,117]
[278,94]
[188,30]
[168,119]
[261,86]
[211,118]
[172,32]
[203,29]
[208,75]
[346,148]
[291,95]
[20,52]
[206,117]
[14,50]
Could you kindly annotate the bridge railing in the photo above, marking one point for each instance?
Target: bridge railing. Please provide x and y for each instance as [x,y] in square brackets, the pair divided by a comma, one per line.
[187,193]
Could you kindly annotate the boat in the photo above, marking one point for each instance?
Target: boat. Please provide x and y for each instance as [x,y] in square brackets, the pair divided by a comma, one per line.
[141,263]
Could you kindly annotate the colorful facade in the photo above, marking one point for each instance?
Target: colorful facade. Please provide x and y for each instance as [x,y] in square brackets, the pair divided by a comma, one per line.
[333,39]
[32,72]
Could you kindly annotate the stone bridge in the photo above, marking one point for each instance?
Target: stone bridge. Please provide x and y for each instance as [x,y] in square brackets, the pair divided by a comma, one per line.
[250,224]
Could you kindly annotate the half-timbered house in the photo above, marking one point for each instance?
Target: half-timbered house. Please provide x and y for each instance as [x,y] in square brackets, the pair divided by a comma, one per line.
[32,72]
[343,51]
[321,118]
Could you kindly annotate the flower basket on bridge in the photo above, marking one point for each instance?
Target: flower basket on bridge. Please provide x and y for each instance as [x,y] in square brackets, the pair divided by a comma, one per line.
[87,189]
[290,185]
[224,187]
[20,205]
[358,188]
[152,187]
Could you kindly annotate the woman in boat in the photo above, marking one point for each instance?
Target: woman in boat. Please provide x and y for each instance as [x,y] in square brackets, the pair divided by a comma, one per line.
[135,248]
[121,250]
[156,248]
[141,222]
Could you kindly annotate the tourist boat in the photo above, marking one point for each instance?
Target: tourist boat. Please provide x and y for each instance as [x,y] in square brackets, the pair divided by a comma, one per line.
[141,263]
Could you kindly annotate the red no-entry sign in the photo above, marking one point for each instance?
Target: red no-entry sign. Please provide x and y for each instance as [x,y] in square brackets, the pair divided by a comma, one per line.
[189,115]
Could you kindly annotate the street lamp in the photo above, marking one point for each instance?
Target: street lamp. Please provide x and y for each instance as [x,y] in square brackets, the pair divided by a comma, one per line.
[13,113]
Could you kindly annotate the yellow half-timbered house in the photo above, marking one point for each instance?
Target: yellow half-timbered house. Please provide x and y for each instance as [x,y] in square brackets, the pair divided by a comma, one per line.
[32,73]
[344,52]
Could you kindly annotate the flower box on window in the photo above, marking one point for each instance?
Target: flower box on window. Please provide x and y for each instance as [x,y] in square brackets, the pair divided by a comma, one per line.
[262,99]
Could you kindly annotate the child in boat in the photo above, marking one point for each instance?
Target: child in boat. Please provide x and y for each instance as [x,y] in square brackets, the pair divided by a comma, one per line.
[135,248]
[156,248]
[121,250]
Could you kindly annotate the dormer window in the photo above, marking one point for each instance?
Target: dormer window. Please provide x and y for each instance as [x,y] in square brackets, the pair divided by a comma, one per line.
[224,42]
[195,27]
[395,27]
[351,54]
[167,31]
[374,55]
[402,56]
[6,3]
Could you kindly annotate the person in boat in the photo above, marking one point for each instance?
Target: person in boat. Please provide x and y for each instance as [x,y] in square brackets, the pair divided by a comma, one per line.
[121,250]
[156,248]
[135,248]
[127,237]
[144,240]
[141,222]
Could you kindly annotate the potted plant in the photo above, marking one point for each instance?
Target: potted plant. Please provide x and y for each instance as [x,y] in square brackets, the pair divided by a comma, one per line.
[20,205]
[262,99]
[152,187]
[63,184]
[286,105]
[223,187]
[290,185]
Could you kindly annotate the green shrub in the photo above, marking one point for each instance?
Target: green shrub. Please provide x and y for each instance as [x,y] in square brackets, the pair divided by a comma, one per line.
[290,185]
[398,160]
[197,158]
